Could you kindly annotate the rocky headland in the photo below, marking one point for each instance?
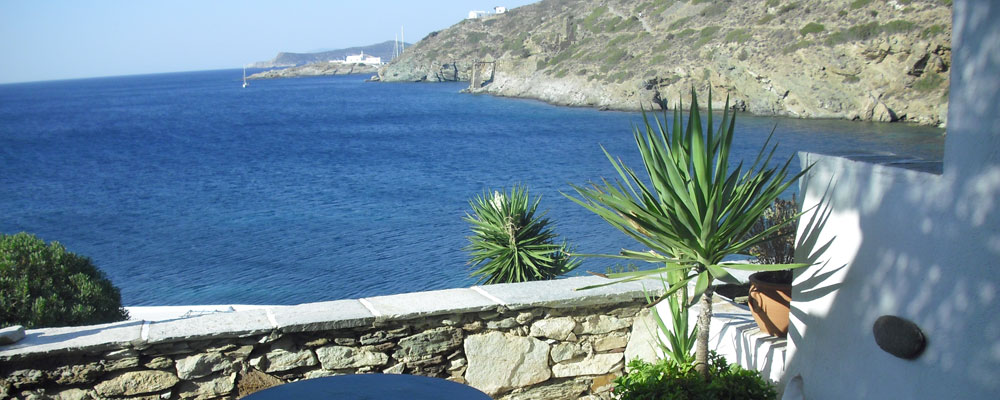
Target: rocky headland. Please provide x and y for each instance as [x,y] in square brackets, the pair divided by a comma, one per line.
[847,59]
[321,68]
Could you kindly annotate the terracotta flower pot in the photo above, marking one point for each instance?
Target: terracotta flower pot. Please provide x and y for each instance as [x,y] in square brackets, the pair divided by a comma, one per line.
[769,304]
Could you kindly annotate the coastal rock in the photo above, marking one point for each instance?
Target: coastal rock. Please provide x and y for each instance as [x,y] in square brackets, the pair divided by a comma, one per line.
[499,362]
[135,383]
[322,68]
[633,54]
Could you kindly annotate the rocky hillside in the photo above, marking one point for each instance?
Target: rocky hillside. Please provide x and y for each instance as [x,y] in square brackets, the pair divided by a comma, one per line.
[384,50]
[851,59]
[316,69]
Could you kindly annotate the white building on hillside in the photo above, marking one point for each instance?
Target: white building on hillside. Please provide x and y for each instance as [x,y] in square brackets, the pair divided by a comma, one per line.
[484,14]
[363,59]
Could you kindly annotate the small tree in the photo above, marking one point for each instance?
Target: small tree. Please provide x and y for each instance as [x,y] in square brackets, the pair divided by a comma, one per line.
[45,286]
[510,243]
[694,211]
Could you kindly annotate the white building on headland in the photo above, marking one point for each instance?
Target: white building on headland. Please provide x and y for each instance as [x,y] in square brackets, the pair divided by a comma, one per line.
[484,14]
[363,59]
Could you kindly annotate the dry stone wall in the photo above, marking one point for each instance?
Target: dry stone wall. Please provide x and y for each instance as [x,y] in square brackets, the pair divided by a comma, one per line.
[538,340]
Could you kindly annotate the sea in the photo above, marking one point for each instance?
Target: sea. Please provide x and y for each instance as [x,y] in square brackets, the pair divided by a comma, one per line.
[186,188]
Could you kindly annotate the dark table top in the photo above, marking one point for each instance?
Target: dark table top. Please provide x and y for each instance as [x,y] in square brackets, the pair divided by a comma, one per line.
[371,387]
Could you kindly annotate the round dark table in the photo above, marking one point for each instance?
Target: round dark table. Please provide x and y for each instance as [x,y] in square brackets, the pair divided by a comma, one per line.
[370,387]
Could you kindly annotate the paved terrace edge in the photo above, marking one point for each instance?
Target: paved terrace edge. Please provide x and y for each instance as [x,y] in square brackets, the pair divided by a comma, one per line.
[559,293]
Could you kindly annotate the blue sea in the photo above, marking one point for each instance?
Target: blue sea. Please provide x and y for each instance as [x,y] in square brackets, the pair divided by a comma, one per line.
[186,188]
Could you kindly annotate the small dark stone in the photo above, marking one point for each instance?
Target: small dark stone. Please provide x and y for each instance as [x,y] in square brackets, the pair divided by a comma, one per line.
[899,337]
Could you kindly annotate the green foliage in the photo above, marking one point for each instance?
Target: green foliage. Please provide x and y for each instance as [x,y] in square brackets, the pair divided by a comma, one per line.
[842,13]
[795,47]
[515,45]
[765,19]
[772,3]
[693,210]
[590,22]
[812,27]
[715,9]
[678,23]
[475,37]
[780,248]
[945,2]
[856,4]
[45,285]
[928,83]
[677,341]
[685,32]
[740,35]
[623,38]
[851,79]
[788,7]
[898,26]
[706,35]
[612,56]
[657,59]
[743,56]
[540,65]
[510,243]
[932,30]
[868,31]
[700,1]
[670,380]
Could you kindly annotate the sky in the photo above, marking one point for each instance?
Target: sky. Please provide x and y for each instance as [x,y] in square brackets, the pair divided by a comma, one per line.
[61,39]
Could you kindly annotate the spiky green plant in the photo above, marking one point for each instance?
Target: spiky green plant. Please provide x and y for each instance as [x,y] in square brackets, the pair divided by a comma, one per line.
[695,210]
[510,243]
[677,342]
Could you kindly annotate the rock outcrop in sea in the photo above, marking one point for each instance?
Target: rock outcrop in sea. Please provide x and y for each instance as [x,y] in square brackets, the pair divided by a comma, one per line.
[321,68]
[847,59]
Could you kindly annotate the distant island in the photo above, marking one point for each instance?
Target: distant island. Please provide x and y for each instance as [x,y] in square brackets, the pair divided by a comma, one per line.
[322,68]
[846,59]
[353,60]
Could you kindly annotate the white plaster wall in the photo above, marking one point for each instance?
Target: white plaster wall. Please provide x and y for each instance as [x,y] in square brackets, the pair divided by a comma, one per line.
[919,246]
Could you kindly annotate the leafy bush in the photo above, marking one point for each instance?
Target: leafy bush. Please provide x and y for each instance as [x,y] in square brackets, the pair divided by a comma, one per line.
[512,244]
[795,47]
[812,27]
[856,4]
[780,248]
[932,30]
[590,22]
[667,379]
[739,35]
[45,285]
[680,22]
[706,35]
[928,83]
[898,26]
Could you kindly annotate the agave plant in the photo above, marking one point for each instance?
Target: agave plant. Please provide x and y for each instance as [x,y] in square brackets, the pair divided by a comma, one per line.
[510,243]
[695,209]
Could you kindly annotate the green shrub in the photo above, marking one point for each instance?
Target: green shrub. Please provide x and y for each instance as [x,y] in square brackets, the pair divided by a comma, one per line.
[842,13]
[45,285]
[928,83]
[680,22]
[898,26]
[765,19]
[715,9]
[659,58]
[475,37]
[788,7]
[510,243]
[685,32]
[738,35]
[932,30]
[668,379]
[772,3]
[812,27]
[590,22]
[856,4]
[705,36]
[795,47]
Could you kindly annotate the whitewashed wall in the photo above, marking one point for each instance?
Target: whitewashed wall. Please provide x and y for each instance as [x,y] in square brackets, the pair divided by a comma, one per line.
[921,246]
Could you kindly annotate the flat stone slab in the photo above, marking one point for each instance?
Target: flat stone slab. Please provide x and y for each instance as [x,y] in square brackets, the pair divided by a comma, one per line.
[233,324]
[323,316]
[565,292]
[44,341]
[420,304]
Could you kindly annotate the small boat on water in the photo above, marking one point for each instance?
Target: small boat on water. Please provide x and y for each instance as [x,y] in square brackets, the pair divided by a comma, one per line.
[245,84]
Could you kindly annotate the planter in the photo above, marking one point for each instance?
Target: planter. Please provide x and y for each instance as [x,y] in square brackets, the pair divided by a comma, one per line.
[769,303]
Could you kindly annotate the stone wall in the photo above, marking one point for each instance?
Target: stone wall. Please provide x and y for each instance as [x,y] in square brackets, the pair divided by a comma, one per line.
[538,340]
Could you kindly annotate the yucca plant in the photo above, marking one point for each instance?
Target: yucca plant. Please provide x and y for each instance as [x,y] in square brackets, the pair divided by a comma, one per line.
[510,243]
[694,210]
[678,340]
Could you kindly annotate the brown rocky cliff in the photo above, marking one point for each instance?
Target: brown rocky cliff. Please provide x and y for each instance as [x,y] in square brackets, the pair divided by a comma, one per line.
[850,59]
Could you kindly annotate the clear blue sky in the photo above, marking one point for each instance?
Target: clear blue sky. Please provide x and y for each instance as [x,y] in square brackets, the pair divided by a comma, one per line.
[61,39]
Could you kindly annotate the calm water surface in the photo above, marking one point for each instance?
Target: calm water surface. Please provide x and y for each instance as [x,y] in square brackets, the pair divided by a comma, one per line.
[188,189]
